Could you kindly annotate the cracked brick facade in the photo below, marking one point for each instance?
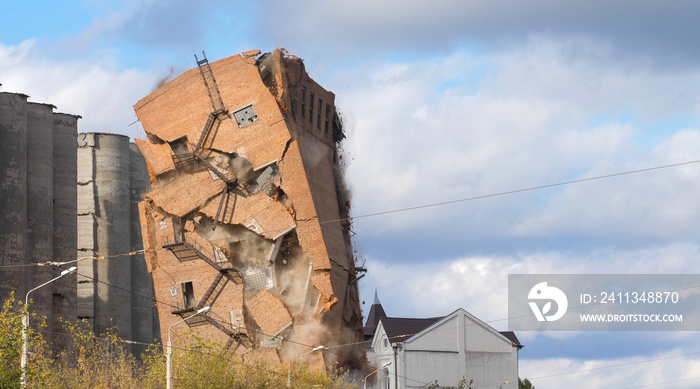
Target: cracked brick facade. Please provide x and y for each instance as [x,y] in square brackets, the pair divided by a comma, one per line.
[248,211]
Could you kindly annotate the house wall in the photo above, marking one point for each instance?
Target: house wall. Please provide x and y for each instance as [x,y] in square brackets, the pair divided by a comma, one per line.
[459,346]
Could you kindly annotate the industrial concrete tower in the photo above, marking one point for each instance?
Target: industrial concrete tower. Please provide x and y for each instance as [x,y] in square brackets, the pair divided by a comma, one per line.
[37,205]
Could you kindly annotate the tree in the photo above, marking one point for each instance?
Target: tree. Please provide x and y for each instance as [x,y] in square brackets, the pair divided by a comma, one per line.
[463,384]
[101,361]
[525,384]
[10,342]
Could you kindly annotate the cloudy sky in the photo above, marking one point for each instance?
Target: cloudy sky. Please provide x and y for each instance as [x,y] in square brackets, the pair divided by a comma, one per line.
[448,100]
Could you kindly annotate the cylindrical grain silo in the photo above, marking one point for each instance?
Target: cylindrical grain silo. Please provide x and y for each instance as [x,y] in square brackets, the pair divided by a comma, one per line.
[13,192]
[104,229]
[113,233]
[65,131]
[40,209]
[143,328]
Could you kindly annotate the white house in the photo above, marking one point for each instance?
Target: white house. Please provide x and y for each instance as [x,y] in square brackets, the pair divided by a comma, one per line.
[412,353]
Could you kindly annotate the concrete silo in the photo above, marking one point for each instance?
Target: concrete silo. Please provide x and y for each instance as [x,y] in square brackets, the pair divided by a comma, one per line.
[13,192]
[114,288]
[59,198]
[37,205]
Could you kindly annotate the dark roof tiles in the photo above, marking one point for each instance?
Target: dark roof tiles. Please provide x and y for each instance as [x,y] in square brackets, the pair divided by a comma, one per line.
[400,329]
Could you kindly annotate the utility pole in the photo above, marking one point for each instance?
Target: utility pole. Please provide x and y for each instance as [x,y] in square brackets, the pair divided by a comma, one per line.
[289,373]
[169,351]
[25,326]
[395,346]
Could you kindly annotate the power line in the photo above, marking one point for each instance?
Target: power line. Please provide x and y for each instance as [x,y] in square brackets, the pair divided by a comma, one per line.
[404,335]
[663,383]
[365,216]
[511,192]
[615,365]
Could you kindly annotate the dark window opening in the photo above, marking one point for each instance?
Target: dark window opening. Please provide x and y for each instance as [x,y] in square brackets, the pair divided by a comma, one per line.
[311,108]
[318,118]
[303,101]
[179,145]
[188,294]
[328,117]
[294,99]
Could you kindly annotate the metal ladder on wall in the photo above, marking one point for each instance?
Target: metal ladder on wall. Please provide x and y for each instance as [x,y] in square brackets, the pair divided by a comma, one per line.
[217,105]
[218,109]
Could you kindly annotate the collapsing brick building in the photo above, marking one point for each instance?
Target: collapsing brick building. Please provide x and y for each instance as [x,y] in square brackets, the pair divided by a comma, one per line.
[248,212]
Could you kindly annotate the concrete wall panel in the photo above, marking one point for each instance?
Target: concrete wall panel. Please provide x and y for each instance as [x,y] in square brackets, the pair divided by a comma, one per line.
[86,239]
[40,206]
[86,194]
[13,191]
[113,236]
[65,228]
[143,317]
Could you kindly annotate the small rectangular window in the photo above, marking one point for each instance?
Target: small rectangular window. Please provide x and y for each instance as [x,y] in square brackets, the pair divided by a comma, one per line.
[188,294]
[318,118]
[328,117]
[294,99]
[303,101]
[311,108]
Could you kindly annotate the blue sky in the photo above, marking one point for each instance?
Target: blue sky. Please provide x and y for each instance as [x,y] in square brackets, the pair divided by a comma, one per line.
[446,100]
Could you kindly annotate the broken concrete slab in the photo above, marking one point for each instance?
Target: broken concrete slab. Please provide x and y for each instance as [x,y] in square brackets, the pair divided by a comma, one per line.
[268,313]
[193,191]
[259,213]
[159,157]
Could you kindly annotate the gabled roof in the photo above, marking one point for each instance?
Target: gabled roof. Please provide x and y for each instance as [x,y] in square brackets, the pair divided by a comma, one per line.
[471,318]
[511,336]
[400,329]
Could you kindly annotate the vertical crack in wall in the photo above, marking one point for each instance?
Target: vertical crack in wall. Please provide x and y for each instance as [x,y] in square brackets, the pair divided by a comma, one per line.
[248,211]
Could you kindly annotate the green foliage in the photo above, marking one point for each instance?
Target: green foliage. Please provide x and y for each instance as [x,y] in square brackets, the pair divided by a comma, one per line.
[463,384]
[10,343]
[207,365]
[91,362]
[103,361]
[525,384]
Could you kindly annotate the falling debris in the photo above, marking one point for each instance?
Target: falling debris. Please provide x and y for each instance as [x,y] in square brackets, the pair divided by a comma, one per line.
[248,211]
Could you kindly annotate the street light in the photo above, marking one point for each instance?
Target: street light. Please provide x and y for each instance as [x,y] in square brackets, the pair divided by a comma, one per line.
[289,374]
[169,353]
[25,326]
[383,366]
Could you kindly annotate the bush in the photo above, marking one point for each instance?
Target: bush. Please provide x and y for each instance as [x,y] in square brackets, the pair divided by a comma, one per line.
[93,361]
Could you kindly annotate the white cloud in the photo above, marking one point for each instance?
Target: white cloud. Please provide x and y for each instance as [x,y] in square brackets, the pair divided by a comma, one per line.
[479,284]
[102,95]
[429,131]
[672,368]
[361,27]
